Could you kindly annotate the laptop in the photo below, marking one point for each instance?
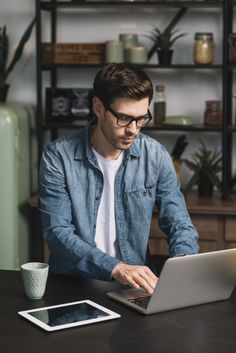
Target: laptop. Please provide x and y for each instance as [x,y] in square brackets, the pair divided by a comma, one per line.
[186,281]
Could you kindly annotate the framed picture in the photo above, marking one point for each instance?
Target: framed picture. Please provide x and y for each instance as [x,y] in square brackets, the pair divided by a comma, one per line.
[68,104]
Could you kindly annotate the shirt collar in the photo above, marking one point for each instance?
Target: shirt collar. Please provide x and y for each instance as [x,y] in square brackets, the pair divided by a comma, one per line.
[84,150]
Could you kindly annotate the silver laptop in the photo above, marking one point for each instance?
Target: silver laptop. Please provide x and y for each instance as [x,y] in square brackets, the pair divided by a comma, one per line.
[186,281]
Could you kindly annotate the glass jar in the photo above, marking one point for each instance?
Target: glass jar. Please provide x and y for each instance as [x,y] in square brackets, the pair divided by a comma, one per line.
[213,113]
[203,48]
[232,48]
[160,104]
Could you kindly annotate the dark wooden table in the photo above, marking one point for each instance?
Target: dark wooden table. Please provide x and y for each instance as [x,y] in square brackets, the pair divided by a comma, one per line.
[207,328]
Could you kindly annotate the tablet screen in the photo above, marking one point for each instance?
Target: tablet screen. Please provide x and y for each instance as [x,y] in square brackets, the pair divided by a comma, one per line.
[68,315]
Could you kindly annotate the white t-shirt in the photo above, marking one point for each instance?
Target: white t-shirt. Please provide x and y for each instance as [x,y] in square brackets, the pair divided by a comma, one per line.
[105,236]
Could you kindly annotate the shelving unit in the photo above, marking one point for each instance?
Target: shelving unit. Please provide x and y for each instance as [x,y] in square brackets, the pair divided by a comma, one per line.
[225,132]
[231,71]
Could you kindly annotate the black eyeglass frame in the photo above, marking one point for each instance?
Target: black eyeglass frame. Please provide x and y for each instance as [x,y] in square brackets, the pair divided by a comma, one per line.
[118,116]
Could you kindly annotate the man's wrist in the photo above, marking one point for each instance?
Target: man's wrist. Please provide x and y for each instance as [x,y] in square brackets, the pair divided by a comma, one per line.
[116,268]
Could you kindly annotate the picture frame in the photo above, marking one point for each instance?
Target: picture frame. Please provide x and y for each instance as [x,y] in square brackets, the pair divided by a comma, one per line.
[68,104]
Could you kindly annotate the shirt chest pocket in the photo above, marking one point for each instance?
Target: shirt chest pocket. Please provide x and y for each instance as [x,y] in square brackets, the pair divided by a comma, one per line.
[141,193]
[140,199]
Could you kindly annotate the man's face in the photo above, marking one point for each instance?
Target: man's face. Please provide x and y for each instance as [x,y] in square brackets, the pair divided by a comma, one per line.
[119,137]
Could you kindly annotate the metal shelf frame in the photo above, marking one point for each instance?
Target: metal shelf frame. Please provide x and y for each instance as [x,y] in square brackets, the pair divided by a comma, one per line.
[226,131]
[49,5]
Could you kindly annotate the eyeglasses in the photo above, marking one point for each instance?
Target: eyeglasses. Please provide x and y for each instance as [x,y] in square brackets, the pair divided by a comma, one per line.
[125,120]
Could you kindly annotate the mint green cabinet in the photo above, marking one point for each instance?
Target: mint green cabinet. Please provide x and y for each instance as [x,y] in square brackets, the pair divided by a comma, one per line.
[18,180]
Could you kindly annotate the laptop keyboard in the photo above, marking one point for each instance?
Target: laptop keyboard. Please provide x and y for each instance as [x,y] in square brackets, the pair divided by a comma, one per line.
[141,301]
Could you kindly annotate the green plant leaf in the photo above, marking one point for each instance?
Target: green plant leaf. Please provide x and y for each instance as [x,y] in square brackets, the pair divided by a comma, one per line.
[4,49]
[191,165]
[176,37]
[166,32]
[205,165]
[164,40]
[20,48]
[191,183]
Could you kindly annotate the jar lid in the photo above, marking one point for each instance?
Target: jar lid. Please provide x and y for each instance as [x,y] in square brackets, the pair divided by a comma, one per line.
[213,104]
[204,35]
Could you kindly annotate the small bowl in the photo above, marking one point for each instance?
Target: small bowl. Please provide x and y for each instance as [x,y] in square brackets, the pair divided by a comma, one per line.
[178,120]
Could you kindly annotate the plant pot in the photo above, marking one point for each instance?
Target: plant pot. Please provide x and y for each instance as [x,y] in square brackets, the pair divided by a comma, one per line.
[164,56]
[3,93]
[205,189]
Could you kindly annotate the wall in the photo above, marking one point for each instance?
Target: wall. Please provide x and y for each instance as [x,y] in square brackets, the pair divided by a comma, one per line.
[17,15]
[186,91]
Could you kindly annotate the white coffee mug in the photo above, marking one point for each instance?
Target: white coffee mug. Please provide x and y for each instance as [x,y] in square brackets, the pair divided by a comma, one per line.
[34,275]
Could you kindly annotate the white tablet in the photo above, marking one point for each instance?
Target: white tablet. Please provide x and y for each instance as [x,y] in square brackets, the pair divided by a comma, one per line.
[67,315]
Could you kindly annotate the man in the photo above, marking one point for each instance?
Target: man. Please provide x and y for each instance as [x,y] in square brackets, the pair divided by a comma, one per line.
[98,188]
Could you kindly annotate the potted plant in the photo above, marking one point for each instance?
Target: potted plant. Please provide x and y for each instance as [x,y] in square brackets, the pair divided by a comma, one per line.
[206,165]
[5,67]
[164,40]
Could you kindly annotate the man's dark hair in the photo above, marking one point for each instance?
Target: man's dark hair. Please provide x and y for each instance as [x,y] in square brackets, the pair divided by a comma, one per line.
[122,81]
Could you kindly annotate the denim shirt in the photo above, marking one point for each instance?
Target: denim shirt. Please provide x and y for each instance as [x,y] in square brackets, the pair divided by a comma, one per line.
[70,190]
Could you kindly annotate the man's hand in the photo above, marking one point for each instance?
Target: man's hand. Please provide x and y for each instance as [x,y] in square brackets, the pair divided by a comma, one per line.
[135,276]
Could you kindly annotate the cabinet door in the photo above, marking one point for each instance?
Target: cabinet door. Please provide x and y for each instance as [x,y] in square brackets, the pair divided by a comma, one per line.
[210,229]
[157,239]
[230,232]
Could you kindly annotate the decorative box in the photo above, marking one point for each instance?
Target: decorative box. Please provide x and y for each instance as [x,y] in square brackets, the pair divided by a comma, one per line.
[68,104]
[73,53]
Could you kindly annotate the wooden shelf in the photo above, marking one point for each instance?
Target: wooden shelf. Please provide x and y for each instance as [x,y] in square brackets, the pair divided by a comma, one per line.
[49,5]
[52,66]
[151,127]
[170,127]
[211,205]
